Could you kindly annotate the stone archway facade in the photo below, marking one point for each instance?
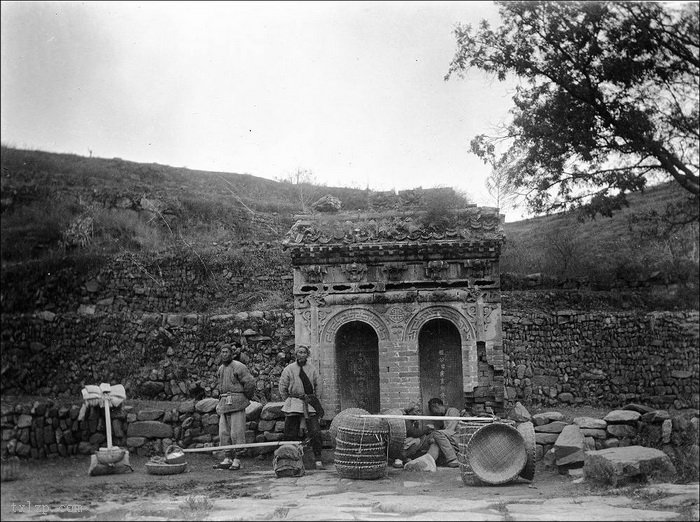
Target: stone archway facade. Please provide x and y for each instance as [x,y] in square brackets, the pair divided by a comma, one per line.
[348,267]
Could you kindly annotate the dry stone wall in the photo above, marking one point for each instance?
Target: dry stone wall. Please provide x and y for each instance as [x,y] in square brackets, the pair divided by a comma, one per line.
[551,358]
[182,282]
[602,358]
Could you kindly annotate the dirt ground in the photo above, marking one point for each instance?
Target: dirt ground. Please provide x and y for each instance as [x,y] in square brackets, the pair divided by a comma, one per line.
[60,489]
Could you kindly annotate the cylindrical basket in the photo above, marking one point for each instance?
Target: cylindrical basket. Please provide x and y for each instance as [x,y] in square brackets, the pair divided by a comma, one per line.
[397,433]
[174,455]
[527,430]
[361,448]
[338,419]
[496,453]
[9,468]
[463,434]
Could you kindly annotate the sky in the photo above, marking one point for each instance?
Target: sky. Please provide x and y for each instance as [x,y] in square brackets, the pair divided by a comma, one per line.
[353,92]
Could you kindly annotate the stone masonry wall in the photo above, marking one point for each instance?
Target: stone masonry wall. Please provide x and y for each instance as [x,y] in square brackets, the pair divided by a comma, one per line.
[606,359]
[558,358]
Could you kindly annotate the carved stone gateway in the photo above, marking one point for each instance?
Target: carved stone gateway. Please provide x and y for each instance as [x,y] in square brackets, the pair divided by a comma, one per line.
[397,311]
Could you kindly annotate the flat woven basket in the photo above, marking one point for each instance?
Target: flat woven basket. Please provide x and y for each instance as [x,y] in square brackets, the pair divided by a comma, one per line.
[157,466]
[333,429]
[397,433]
[361,448]
[463,434]
[527,430]
[496,453]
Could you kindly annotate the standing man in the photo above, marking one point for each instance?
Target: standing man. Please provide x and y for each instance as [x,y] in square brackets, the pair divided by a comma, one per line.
[236,388]
[300,389]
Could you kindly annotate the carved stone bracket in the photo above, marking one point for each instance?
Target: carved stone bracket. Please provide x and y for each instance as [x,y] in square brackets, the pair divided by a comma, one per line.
[355,272]
[435,269]
[394,271]
[313,273]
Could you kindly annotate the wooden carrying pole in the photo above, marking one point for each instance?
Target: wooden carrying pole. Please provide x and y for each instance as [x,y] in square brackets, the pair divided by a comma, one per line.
[238,446]
[425,417]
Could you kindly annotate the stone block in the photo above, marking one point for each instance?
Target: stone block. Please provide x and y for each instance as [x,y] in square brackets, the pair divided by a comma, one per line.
[273,436]
[618,465]
[552,427]
[549,416]
[666,429]
[520,413]
[566,397]
[135,442]
[622,417]
[150,429]
[186,407]
[149,415]
[24,421]
[622,430]
[638,408]
[591,423]
[612,442]
[655,417]
[253,411]
[272,411]
[206,405]
[569,442]
[596,434]
[266,425]
[546,438]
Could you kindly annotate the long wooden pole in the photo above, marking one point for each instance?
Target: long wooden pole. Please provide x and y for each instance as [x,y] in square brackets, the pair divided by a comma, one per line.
[425,417]
[238,446]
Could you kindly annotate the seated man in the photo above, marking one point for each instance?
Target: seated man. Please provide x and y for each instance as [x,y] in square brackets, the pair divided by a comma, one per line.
[444,434]
[439,443]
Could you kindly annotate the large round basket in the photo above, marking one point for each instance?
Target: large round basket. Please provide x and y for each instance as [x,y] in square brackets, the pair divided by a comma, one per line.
[397,433]
[156,468]
[463,434]
[361,448]
[527,430]
[333,429]
[496,453]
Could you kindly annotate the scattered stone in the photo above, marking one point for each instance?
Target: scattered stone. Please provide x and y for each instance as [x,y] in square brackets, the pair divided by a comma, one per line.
[520,413]
[253,411]
[616,465]
[569,445]
[424,463]
[546,438]
[666,428]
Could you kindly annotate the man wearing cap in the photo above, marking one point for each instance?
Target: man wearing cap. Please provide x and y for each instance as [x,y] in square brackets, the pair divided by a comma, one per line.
[300,389]
[236,388]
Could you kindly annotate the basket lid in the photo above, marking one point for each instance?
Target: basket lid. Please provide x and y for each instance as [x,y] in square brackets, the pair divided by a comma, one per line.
[497,453]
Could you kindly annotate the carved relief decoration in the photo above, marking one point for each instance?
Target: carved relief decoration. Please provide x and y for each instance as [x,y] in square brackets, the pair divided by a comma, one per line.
[354,314]
[394,271]
[463,324]
[313,273]
[355,272]
[436,269]
[305,301]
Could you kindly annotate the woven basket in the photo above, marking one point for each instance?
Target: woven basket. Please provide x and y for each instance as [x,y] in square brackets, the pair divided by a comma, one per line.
[397,433]
[361,448]
[157,468]
[463,434]
[333,429]
[527,430]
[496,453]
[9,468]
[174,455]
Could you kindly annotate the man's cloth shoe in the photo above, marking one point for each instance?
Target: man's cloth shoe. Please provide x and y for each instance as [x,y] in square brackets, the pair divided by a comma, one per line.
[398,463]
[453,464]
[224,464]
[236,464]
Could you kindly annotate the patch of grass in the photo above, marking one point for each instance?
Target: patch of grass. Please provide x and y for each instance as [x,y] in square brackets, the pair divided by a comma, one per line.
[195,507]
